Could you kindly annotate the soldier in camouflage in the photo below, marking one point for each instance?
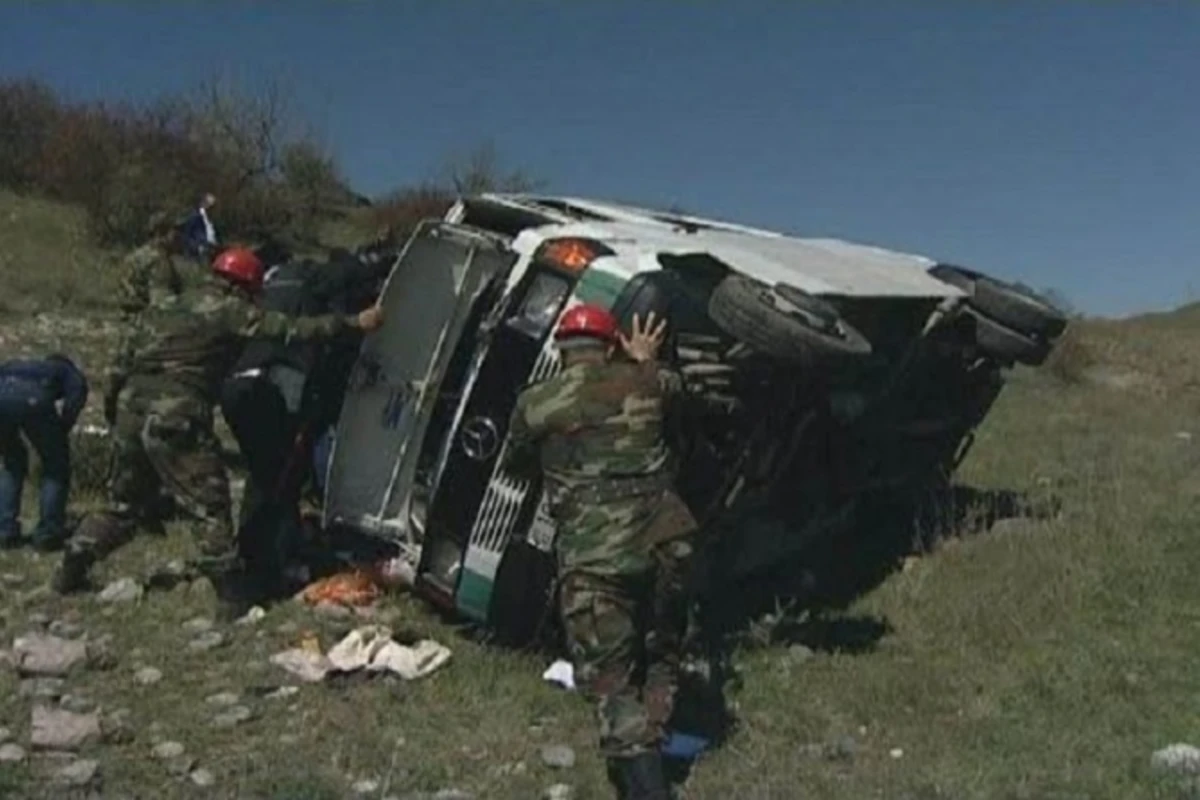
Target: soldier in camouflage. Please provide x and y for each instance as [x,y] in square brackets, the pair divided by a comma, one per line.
[148,275]
[624,535]
[165,383]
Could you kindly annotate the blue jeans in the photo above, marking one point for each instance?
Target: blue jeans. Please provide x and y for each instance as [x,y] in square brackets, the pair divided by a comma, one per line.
[48,436]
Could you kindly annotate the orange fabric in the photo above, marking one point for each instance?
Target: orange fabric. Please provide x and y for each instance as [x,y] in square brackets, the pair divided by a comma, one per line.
[355,588]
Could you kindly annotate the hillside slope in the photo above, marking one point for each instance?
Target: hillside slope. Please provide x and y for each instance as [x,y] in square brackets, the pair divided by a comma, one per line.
[1038,659]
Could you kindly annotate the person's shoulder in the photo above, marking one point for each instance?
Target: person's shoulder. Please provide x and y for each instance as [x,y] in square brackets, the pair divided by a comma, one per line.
[563,382]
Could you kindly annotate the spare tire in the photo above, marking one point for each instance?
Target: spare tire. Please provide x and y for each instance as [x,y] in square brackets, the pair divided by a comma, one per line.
[1013,306]
[783,321]
[1006,345]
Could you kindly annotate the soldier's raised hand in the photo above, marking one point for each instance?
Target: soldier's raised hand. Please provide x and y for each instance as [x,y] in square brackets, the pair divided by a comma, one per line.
[644,340]
[371,319]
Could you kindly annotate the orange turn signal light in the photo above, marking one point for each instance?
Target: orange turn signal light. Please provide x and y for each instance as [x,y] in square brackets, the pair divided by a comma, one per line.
[571,255]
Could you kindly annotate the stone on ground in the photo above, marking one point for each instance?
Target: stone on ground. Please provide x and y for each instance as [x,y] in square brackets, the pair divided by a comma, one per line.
[53,729]
[40,654]
[558,756]
[124,590]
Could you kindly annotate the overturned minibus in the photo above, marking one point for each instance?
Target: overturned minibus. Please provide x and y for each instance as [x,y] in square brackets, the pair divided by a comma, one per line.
[817,374]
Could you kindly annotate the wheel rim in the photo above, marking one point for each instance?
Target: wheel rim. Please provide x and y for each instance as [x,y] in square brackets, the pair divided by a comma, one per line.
[824,323]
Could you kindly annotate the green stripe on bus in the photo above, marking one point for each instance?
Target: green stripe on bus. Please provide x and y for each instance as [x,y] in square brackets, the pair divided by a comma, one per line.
[474,596]
[601,288]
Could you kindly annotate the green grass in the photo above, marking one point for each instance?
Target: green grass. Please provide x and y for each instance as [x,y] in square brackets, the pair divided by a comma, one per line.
[1037,660]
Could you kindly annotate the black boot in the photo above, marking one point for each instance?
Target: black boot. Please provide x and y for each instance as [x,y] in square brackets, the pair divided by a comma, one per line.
[96,533]
[235,592]
[640,777]
[72,574]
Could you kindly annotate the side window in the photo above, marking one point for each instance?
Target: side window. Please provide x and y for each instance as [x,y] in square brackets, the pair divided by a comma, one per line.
[539,308]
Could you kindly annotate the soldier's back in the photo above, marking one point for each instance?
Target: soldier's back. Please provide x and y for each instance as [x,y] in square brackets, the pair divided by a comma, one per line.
[185,343]
[605,460]
[604,421]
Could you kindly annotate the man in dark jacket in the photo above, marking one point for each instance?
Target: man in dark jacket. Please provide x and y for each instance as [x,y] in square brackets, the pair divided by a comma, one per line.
[198,232]
[30,391]
[281,395]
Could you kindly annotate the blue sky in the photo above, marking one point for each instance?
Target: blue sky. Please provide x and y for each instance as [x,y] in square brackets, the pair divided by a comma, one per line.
[1055,143]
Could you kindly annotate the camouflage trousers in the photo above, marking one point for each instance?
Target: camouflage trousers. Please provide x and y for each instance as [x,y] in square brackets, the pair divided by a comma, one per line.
[625,634]
[164,454]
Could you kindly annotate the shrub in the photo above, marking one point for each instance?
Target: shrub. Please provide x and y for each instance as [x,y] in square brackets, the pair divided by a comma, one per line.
[122,162]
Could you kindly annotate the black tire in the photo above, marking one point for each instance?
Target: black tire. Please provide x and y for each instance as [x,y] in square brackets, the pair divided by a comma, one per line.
[1006,345]
[1014,307]
[759,315]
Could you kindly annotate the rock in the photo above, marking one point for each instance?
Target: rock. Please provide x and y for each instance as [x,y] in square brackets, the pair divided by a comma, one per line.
[896,752]
[41,654]
[147,676]
[223,699]
[164,751]
[558,756]
[559,791]
[845,748]
[65,630]
[203,778]
[41,688]
[253,616]
[1181,759]
[11,754]
[233,717]
[77,704]
[125,590]
[365,786]
[63,730]
[799,653]
[283,692]
[11,579]
[77,773]
[198,625]
[287,629]
[5,735]
[38,619]
[209,640]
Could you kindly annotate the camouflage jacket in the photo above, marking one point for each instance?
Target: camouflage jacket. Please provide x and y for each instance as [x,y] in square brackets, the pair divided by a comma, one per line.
[148,275]
[598,430]
[186,343]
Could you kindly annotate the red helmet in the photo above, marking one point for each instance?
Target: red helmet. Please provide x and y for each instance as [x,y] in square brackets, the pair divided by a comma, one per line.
[241,266]
[589,320]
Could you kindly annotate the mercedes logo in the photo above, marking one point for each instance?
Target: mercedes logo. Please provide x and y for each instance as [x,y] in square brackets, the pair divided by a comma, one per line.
[480,438]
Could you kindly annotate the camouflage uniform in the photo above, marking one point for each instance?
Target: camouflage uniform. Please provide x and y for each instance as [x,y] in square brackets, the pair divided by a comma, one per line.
[624,538]
[177,350]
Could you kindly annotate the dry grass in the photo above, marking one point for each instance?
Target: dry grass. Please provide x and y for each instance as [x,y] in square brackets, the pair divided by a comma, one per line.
[1037,660]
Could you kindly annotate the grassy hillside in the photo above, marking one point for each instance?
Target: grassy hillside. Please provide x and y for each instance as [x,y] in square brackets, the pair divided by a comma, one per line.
[1033,660]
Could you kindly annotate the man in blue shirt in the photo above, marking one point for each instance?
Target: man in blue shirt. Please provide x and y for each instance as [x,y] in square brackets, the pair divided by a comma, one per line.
[30,393]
